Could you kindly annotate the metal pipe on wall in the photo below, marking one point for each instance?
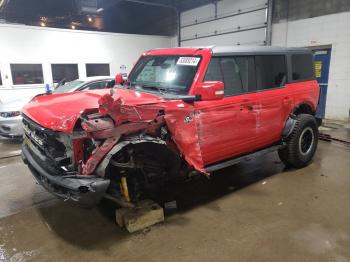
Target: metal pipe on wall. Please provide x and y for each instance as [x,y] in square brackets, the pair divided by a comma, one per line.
[269,22]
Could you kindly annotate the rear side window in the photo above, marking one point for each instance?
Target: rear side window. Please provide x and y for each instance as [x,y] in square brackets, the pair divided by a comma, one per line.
[302,67]
[237,73]
[271,71]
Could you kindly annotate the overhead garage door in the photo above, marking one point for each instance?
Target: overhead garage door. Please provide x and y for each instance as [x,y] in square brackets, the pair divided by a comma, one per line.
[228,22]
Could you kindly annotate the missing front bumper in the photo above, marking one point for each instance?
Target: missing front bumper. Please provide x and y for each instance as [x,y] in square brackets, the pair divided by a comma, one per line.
[87,191]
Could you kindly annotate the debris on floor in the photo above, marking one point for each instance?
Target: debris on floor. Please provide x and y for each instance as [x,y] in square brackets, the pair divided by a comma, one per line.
[146,214]
[329,138]
[324,128]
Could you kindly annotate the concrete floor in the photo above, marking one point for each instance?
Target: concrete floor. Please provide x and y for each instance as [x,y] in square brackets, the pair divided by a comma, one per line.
[255,211]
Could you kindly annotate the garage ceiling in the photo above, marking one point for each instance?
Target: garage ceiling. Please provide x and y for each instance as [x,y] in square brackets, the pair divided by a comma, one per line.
[122,16]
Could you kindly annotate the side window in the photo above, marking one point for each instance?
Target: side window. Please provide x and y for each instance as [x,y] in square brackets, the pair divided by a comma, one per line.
[69,72]
[0,79]
[271,71]
[27,74]
[97,70]
[237,73]
[214,71]
[111,84]
[302,67]
[97,85]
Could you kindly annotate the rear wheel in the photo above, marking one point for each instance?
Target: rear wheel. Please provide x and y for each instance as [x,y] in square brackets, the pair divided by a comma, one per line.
[302,142]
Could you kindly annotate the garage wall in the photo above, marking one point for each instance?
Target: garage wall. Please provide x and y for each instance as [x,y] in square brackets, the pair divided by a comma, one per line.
[233,22]
[26,44]
[324,30]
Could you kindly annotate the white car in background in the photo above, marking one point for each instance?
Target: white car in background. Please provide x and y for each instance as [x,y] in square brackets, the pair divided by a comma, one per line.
[88,83]
[10,112]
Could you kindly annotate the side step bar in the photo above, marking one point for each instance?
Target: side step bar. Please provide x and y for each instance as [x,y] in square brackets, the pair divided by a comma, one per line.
[236,160]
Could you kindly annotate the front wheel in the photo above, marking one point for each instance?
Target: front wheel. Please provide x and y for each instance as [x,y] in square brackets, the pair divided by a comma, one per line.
[302,142]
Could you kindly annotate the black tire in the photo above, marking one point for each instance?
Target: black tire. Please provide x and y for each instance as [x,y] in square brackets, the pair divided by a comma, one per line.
[319,121]
[301,143]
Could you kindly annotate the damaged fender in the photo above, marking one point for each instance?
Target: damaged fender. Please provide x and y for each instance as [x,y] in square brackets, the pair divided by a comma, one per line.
[128,120]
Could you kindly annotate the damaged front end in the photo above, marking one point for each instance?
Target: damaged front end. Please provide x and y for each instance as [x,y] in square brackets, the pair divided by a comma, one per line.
[49,156]
[119,151]
[132,148]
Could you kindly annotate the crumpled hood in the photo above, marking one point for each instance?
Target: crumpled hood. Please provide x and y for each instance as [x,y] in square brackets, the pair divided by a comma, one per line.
[60,112]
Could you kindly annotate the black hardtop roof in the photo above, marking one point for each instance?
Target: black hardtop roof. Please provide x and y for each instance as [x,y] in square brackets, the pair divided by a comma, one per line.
[249,50]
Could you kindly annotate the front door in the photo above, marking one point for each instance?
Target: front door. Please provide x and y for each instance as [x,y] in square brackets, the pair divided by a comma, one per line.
[322,60]
[227,127]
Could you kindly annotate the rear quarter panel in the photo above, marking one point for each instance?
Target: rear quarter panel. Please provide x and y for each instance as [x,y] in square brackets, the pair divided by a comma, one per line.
[305,92]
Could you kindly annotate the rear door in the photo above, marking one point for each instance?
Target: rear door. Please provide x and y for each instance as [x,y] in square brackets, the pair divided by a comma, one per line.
[227,127]
[273,101]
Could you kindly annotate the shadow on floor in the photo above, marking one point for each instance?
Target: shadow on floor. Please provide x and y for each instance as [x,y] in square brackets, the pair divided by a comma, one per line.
[85,228]
[96,228]
[227,181]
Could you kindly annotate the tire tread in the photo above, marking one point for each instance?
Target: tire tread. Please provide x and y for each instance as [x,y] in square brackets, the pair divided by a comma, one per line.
[290,154]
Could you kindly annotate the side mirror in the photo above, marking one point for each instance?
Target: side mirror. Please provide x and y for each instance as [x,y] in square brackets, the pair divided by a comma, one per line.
[119,79]
[210,90]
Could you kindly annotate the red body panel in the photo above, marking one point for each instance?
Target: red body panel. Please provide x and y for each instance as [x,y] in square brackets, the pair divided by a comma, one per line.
[204,132]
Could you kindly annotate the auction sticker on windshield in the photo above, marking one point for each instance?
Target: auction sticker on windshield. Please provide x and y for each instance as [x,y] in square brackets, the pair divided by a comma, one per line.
[189,61]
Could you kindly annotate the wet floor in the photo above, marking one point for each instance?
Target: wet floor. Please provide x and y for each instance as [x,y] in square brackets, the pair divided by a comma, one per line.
[255,211]
[339,129]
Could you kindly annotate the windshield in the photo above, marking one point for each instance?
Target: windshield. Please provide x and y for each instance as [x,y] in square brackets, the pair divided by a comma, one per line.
[68,87]
[168,74]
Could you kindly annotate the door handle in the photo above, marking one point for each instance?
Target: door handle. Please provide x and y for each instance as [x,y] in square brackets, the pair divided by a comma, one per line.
[248,107]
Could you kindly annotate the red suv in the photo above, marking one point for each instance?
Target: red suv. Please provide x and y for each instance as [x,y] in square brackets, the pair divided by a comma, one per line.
[181,111]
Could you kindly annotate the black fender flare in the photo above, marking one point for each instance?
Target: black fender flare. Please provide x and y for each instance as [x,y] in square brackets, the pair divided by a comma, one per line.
[289,126]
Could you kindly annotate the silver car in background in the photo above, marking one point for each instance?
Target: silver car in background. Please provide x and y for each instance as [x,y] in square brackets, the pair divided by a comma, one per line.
[11,119]
[10,112]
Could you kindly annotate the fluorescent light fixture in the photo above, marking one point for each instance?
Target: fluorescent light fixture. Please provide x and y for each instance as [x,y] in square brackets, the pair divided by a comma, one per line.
[100,10]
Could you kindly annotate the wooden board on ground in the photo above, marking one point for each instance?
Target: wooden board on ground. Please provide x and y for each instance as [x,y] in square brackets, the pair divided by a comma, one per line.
[146,214]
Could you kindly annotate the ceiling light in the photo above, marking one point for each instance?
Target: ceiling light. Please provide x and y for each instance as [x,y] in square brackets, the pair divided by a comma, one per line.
[42,24]
[3,3]
[100,10]
[89,19]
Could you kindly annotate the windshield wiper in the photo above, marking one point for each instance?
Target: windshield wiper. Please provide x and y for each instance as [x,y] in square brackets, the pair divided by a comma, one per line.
[152,87]
[161,90]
